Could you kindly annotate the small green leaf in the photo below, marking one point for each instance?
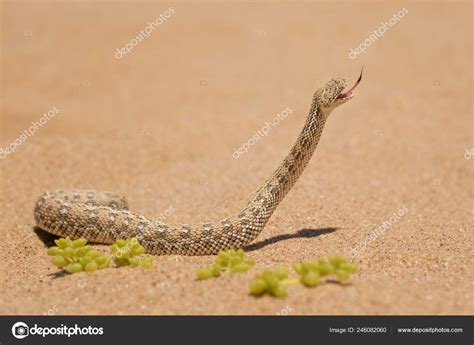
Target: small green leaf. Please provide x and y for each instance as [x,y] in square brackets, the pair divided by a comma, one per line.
[59,261]
[342,275]
[120,243]
[91,267]
[53,251]
[257,286]
[74,267]
[204,273]
[310,279]
[68,252]
[81,242]
[139,250]
[62,242]
[280,291]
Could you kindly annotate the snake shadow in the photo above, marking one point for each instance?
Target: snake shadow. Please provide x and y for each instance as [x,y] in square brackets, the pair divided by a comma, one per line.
[303,233]
[48,239]
[45,237]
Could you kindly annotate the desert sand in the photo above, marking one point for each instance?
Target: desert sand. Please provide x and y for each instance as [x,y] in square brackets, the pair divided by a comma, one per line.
[160,125]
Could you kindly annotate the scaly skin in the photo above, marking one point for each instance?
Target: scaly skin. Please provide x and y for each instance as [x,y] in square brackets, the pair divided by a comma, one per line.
[103,217]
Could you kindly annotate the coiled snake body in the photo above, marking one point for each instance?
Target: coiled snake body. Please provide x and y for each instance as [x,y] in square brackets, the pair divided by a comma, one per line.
[103,217]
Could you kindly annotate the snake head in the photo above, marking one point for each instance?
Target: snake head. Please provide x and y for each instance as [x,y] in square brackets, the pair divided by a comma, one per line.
[331,95]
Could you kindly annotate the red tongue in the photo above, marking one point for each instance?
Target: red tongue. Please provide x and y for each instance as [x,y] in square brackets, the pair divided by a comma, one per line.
[349,92]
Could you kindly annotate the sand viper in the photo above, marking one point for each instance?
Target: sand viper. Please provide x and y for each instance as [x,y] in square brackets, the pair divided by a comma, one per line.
[103,217]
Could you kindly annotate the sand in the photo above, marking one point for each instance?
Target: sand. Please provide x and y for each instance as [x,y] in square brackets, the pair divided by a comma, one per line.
[161,123]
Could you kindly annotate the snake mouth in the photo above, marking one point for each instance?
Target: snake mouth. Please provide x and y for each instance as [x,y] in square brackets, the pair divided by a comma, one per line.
[348,94]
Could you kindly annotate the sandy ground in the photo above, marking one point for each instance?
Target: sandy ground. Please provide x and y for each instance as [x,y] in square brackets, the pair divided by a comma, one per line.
[160,125]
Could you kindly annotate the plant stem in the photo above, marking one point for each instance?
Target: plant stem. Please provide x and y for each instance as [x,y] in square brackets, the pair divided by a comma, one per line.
[290,281]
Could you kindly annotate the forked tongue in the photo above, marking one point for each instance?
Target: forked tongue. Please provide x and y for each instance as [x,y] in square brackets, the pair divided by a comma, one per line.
[349,92]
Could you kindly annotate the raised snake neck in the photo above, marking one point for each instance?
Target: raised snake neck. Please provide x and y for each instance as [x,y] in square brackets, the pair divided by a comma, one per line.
[103,217]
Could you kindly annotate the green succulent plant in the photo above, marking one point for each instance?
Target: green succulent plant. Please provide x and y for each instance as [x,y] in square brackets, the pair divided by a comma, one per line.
[233,261]
[310,274]
[127,251]
[76,256]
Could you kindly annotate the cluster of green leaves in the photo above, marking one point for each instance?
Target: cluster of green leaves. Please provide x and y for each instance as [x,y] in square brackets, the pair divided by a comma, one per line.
[126,252]
[76,256]
[275,282]
[233,261]
[311,272]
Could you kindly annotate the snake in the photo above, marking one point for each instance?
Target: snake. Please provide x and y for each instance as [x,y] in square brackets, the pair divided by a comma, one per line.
[104,217]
